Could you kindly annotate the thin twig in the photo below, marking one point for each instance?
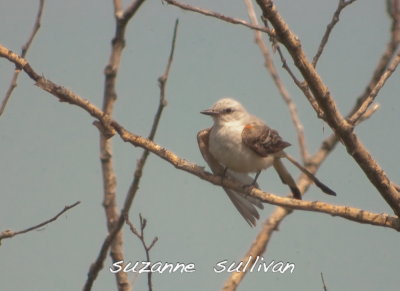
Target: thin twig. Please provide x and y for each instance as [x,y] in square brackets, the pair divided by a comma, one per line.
[371,97]
[302,85]
[323,282]
[119,221]
[68,96]
[220,16]
[9,233]
[335,19]
[269,64]
[162,82]
[147,248]
[24,50]
[393,8]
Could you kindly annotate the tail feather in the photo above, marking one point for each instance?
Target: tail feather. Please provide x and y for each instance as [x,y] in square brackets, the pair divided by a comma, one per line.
[317,182]
[246,205]
[286,178]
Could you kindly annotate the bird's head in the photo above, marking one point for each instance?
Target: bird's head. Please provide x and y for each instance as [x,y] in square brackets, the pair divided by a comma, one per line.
[226,110]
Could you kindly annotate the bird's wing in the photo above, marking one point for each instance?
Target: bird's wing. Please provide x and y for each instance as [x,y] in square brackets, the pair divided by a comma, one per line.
[263,140]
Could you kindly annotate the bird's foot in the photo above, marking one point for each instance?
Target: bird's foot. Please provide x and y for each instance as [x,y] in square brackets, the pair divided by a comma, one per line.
[254,183]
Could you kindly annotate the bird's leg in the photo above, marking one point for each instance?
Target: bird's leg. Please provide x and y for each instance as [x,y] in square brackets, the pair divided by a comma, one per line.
[254,183]
[255,178]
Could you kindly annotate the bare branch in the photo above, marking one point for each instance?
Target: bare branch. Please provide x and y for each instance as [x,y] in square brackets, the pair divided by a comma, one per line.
[24,50]
[323,282]
[273,221]
[142,161]
[342,211]
[66,95]
[119,219]
[303,86]
[146,247]
[9,233]
[371,97]
[114,238]
[220,16]
[393,7]
[162,81]
[346,212]
[269,64]
[335,19]
[122,18]
[131,9]
[335,120]
[258,246]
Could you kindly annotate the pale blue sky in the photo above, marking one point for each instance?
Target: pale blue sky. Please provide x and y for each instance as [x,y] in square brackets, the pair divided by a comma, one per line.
[49,153]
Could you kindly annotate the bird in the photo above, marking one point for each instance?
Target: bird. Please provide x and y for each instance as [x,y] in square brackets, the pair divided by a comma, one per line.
[243,144]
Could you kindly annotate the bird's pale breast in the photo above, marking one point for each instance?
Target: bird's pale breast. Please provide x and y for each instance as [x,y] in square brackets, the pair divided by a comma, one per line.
[227,147]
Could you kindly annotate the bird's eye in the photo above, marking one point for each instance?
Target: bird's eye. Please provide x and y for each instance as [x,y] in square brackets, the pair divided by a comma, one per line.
[228,110]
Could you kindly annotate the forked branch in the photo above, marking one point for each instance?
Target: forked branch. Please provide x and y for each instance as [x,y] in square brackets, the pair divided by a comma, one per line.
[66,95]
[335,120]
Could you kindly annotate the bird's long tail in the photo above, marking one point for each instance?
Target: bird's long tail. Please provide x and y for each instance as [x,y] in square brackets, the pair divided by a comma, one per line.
[317,182]
[286,178]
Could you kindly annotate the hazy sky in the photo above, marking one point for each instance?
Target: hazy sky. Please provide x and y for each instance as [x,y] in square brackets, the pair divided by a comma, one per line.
[49,152]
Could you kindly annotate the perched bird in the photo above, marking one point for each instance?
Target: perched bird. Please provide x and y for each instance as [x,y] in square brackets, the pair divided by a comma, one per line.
[243,144]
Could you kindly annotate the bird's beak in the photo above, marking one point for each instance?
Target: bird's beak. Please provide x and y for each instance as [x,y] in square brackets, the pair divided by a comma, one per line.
[210,112]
